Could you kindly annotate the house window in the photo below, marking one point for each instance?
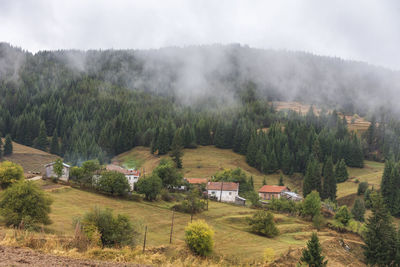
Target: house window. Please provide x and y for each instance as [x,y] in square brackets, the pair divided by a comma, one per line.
[212,192]
[230,193]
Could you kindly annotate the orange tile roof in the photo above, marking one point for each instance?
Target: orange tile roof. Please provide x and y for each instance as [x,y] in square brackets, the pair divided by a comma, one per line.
[272,189]
[112,167]
[196,180]
[227,186]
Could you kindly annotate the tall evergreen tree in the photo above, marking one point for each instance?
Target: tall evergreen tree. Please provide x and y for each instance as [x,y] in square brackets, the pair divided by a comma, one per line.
[8,146]
[341,173]
[312,178]
[1,146]
[281,180]
[41,141]
[54,145]
[380,235]
[312,254]
[358,210]
[329,185]
[177,149]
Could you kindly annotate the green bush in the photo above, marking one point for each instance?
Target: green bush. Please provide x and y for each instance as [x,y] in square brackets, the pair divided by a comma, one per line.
[10,173]
[114,230]
[199,237]
[312,205]
[262,223]
[192,204]
[362,187]
[24,201]
[254,199]
[150,187]
[113,183]
[285,205]
[343,215]
[166,195]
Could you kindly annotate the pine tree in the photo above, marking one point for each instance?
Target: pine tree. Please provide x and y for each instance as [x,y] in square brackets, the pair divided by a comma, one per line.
[380,235]
[387,184]
[8,146]
[41,141]
[264,181]
[286,160]
[176,150]
[341,173]
[251,152]
[329,185]
[358,210]
[54,146]
[251,182]
[312,254]
[312,178]
[281,180]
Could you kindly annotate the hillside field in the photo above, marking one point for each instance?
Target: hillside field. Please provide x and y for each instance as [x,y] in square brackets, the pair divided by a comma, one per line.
[232,238]
[205,161]
[31,159]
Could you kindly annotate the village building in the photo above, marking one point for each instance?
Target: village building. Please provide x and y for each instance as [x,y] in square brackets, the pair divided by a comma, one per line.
[131,175]
[268,192]
[223,191]
[51,174]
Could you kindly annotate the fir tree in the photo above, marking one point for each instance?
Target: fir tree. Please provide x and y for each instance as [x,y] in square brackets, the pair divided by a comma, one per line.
[312,178]
[264,181]
[341,173]
[329,185]
[251,152]
[54,146]
[163,142]
[41,141]
[312,254]
[251,182]
[281,180]
[358,210]
[8,146]
[380,235]
[286,160]
[176,150]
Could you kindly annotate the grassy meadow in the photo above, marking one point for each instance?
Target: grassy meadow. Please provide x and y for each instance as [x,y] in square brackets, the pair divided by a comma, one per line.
[228,221]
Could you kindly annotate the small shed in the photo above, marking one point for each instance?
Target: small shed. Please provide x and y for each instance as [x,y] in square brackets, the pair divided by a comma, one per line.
[240,201]
[51,174]
[291,196]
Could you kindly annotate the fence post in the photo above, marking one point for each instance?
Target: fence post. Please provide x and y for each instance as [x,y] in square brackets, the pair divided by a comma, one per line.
[172,227]
[145,236]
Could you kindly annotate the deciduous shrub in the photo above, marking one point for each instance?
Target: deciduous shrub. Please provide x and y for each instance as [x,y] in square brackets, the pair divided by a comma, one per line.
[150,187]
[362,187]
[285,205]
[199,237]
[192,204]
[262,223]
[114,230]
[343,215]
[10,173]
[24,201]
[312,205]
[113,183]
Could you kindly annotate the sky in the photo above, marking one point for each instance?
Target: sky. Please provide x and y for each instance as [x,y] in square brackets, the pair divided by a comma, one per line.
[363,30]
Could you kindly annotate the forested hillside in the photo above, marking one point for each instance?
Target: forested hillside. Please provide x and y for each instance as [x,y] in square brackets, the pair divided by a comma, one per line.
[96,104]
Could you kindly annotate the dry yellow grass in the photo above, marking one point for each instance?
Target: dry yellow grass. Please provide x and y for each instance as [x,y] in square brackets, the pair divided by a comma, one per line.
[31,159]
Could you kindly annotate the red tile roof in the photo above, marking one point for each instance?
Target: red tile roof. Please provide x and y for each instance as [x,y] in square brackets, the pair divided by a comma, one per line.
[272,189]
[112,167]
[227,186]
[196,180]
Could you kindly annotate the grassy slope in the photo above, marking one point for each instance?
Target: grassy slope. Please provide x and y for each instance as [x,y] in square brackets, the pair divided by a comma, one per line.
[228,221]
[203,161]
[29,158]
[207,160]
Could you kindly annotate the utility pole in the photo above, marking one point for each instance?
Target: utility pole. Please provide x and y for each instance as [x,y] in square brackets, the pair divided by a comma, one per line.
[172,227]
[145,236]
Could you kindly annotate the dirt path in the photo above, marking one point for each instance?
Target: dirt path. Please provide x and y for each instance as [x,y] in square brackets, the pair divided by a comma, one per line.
[10,256]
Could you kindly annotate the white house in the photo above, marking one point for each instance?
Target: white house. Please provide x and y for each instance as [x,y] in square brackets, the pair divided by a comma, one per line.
[224,191]
[131,175]
[50,171]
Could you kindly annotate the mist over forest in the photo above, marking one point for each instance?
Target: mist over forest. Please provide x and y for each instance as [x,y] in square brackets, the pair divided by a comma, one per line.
[216,74]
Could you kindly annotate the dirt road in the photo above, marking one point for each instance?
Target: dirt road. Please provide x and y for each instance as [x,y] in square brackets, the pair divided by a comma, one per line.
[10,256]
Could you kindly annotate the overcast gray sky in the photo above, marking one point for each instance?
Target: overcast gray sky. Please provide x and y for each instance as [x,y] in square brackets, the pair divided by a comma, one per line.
[366,30]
